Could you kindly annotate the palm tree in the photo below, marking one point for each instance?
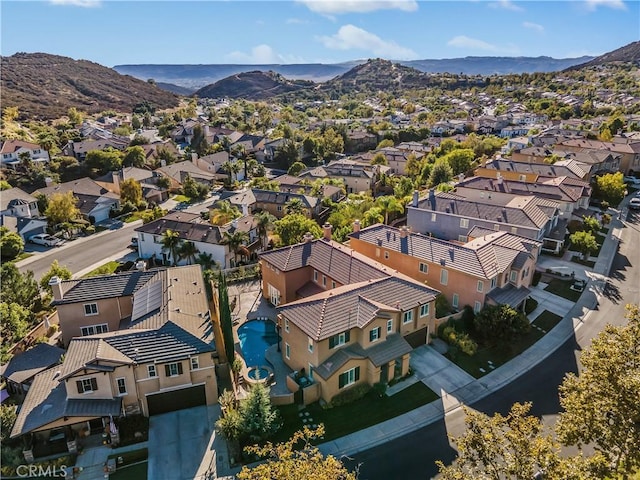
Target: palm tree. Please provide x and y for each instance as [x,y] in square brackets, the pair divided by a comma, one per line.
[235,168]
[389,205]
[206,261]
[264,224]
[235,241]
[188,251]
[228,167]
[171,242]
[295,205]
[224,213]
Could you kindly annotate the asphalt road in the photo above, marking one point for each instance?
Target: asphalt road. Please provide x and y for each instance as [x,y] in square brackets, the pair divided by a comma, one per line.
[413,456]
[79,254]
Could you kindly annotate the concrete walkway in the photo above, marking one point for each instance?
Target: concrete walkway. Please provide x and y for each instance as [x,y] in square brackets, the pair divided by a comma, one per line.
[549,301]
[92,460]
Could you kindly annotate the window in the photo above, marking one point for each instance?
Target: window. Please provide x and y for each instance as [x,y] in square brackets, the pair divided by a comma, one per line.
[424,268]
[514,276]
[477,306]
[496,227]
[386,254]
[494,282]
[389,326]
[333,284]
[444,277]
[141,237]
[324,281]
[514,229]
[374,334]
[315,276]
[339,339]
[462,238]
[523,178]
[310,345]
[480,286]
[122,386]
[94,329]
[464,223]
[87,385]
[349,377]
[286,325]
[424,310]
[455,301]
[279,208]
[173,369]
[151,369]
[407,317]
[433,217]
[377,252]
[287,350]
[195,363]
[90,309]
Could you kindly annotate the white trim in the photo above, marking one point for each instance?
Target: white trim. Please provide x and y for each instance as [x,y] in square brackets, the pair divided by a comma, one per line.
[125,387]
[175,387]
[85,305]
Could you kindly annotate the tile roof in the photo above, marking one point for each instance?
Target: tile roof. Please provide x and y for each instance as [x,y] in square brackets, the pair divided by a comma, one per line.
[179,170]
[27,364]
[281,198]
[568,167]
[82,186]
[87,353]
[354,306]
[189,226]
[11,146]
[13,196]
[105,286]
[564,189]
[509,295]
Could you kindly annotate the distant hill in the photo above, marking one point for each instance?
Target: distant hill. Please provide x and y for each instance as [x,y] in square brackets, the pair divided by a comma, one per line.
[45,86]
[177,89]
[197,76]
[254,85]
[629,53]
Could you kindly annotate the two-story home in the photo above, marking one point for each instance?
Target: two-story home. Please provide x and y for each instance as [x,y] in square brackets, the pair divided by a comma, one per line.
[511,169]
[494,267]
[628,149]
[450,216]
[147,179]
[276,203]
[179,171]
[163,360]
[292,184]
[19,213]
[343,317]
[80,149]
[12,149]
[357,177]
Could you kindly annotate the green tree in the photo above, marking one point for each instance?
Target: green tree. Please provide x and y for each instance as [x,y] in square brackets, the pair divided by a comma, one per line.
[56,270]
[500,323]
[226,322]
[107,160]
[188,251]
[20,288]
[236,241]
[193,189]
[610,187]
[387,142]
[163,182]
[131,191]
[291,228]
[379,159]
[15,322]
[296,168]
[264,224]
[601,406]
[11,244]
[171,242]
[199,142]
[295,206]
[4,185]
[591,224]
[460,160]
[75,116]
[62,208]
[287,154]
[259,419]
[413,166]
[224,212]
[387,205]
[134,157]
[584,242]
[440,173]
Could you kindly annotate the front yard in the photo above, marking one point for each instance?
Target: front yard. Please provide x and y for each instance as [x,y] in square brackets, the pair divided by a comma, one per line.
[562,288]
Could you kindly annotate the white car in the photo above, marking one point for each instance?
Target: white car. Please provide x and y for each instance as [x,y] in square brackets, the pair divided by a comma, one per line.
[634,204]
[46,240]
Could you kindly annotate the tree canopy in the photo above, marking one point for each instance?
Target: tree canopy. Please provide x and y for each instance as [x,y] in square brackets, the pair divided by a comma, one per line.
[131,191]
[56,270]
[291,228]
[61,208]
[610,187]
[11,244]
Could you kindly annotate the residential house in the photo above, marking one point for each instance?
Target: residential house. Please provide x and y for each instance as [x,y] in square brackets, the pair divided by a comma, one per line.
[249,144]
[183,132]
[360,141]
[629,151]
[179,171]
[276,203]
[163,361]
[511,169]
[496,267]
[292,184]
[357,177]
[19,213]
[80,149]
[12,149]
[396,159]
[94,201]
[344,319]
[19,372]
[595,161]
[147,179]
[213,164]
[514,131]
[451,216]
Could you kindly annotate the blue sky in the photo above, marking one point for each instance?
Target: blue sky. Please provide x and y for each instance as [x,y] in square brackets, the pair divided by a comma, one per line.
[113,32]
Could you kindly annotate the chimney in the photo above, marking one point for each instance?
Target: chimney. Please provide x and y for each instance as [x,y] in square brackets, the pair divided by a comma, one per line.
[356,226]
[48,181]
[416,197]
[141,265]
[403,231]
[308,237]
[56,286]
[245,209]
[499,178]
[234,223]
[326,229]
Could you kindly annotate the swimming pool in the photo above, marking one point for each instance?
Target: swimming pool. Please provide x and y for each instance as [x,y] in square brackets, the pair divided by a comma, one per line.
[255,337]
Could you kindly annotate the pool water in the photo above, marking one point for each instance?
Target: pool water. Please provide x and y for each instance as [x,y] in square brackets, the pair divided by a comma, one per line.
[258,373]
[255,337]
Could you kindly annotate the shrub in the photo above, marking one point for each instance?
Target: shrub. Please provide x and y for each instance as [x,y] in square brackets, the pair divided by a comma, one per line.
[460,340]
[530,306]
[350,395]
[536,278]
[442,306]
[468,315]
[574,226]
[379,389]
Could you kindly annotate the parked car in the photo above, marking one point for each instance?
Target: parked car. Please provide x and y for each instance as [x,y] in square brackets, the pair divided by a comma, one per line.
[634,204]
[633,180]
[46,240]
[134,243]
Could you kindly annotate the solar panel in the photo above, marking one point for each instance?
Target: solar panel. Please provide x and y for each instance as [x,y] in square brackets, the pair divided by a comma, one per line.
[146,300]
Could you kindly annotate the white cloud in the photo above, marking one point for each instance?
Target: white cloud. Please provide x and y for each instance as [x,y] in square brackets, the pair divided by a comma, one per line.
[262,54]
[533,26]
[462,41]
[351,37]
[330,7]
[77,3]
[506,5]
[296,21]
[592,5]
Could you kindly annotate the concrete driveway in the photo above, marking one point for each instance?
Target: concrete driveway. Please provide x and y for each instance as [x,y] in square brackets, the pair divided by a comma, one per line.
[181,444]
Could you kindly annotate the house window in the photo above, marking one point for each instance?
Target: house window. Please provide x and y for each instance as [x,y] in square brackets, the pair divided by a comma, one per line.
[374,334]
[464,223]
[455,301]
[333,284]
[514,230]
[339,339]
[315,276]
[377,252]
[173,369]
[523,178]
[424,310]
[94,329]
[287,350]
[279,208]
[407,317]
[324,281]
[151,370]
[310,345]
[389,326]
[477,306]
[349,377]
[433,217]
[480,286]
[386,255]
[462,238]
[514,276]
[122,386]
[444,277]
[87,385]
[424,268]
[141,237]
[90,309]
[494,281]
[286,325]
[195,363]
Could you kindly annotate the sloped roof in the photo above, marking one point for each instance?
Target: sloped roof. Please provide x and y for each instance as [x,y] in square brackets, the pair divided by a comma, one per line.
[281,198]
[563,168]
[14,196]
[563,188]
[187,225]
[11,146]
[82,186]
[27,364]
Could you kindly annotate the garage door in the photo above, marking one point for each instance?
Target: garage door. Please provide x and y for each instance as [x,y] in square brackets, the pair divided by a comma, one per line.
[176,400]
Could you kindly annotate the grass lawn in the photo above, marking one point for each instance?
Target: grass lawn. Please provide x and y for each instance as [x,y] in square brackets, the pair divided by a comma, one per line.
[181,198]
[562,288]
[363,413]
[106,269]
[132,217]
[586,263]
[134,472]
[547,320]
[22,256]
